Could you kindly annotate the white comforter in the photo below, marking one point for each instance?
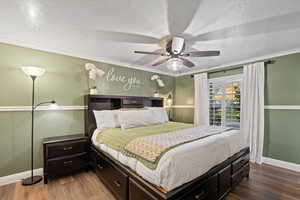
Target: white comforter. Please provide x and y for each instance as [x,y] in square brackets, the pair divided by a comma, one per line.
[185,162]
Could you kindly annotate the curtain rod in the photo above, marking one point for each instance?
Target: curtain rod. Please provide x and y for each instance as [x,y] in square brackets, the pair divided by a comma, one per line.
[267,62]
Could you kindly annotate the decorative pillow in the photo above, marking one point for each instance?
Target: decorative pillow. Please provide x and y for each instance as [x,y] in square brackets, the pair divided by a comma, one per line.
[107,119]
[160,113]
[136,118]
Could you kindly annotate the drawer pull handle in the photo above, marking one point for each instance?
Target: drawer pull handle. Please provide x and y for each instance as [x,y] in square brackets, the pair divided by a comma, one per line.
[68,148]
[68,162]
[117,183]
[200,196]
[100,167]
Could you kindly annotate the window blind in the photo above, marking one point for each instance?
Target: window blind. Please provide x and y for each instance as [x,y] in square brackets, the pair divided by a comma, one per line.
[224,101]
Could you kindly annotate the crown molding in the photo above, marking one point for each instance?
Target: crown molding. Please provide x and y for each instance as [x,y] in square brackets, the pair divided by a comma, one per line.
[250,60]
[92,58]
[40,108]
[140,67]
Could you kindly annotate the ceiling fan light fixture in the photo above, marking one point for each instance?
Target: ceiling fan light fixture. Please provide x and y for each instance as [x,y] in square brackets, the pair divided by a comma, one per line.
[174,64]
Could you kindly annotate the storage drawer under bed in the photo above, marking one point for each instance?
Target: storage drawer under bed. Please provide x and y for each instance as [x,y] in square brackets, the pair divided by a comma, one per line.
[237,177]
[125,187]
[207,191]
[112,177]
[240,162]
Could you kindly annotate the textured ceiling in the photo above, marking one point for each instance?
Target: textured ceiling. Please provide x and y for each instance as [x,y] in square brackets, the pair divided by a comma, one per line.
[109,31]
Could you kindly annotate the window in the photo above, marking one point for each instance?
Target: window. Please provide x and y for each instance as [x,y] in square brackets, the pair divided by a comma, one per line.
[224,101]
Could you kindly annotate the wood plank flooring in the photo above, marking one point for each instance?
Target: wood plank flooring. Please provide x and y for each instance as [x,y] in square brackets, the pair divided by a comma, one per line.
[265,183]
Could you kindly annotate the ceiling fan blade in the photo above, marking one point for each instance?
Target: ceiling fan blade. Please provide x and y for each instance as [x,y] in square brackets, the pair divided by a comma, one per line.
[148,58]
[201,53]
[187,63]
[160,62]
[180,14]
[120,37]
[151,53]
[263,26]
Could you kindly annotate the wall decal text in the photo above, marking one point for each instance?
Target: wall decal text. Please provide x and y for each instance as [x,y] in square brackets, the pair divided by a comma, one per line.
[128,82]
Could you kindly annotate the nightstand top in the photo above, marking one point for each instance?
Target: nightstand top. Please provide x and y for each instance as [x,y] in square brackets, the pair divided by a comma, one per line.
[63,138]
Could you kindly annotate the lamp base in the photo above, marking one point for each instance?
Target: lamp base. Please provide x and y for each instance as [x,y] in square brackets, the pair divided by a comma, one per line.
[31,180]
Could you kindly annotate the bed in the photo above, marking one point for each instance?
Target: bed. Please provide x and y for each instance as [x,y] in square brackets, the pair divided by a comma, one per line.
[202,169]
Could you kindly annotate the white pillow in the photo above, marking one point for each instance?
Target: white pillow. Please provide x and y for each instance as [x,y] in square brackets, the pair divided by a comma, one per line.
[136,118]
[160,113]
[107,119]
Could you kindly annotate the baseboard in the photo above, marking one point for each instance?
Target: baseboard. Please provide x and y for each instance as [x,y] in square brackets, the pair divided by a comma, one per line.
[282,164]
[5,180]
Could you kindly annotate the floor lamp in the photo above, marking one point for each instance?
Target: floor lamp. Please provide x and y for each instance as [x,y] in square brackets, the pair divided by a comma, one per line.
[33,73]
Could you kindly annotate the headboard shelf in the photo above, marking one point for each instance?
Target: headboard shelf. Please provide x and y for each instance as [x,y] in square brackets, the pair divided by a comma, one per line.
[106,102]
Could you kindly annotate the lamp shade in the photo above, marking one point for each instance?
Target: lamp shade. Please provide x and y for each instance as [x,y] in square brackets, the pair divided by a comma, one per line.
[33,71]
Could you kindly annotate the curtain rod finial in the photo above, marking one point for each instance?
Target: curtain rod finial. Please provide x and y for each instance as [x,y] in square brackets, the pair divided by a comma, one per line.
[270,62]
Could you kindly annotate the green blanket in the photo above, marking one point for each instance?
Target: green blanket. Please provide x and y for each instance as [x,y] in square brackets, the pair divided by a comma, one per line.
[117,139]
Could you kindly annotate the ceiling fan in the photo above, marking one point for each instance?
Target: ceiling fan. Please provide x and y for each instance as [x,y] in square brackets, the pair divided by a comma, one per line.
[176,57]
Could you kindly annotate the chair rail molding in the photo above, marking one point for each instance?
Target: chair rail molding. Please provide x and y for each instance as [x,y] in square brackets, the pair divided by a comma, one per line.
[41,108]
[182,106]
[282,107]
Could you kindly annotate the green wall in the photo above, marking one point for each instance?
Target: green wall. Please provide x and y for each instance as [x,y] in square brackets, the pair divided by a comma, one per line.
[65,81]
[282,138]
[184,95]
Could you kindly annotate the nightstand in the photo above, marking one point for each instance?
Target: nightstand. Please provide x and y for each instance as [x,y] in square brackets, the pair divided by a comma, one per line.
[64,155]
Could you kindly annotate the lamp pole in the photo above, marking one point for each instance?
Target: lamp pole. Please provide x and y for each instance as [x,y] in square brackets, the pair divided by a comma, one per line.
[32,123]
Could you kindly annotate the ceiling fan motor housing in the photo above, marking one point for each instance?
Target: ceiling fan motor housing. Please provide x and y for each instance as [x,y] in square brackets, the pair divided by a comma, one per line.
[176,45]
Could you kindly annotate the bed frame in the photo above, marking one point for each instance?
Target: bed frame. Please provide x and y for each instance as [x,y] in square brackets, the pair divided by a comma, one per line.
[125,184]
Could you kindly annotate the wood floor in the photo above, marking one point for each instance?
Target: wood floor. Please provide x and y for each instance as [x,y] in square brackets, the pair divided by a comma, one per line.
[265,183]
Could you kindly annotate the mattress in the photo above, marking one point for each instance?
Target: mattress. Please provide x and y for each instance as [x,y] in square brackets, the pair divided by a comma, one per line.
[182,163]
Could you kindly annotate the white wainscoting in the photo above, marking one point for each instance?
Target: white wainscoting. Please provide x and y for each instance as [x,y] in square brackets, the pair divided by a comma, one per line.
[41,108]
[282,164]
[5,180]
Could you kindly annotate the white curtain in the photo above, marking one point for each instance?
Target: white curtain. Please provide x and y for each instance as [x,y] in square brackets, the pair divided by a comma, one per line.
[201,112]
[252,109]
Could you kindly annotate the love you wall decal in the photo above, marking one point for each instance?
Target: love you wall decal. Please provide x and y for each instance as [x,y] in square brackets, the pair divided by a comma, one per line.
[111,76]
[128,82]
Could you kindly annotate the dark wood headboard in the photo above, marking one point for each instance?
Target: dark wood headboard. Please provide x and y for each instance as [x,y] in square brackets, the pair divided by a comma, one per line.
[103,102]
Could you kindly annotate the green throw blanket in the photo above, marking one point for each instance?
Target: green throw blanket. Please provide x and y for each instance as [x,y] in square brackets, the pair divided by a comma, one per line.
[117,139]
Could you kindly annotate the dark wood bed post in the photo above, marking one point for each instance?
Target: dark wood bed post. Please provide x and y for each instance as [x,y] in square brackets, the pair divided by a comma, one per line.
[125,184]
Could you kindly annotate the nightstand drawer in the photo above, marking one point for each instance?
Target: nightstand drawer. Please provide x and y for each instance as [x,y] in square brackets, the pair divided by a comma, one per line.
[66,148]
[67,164]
